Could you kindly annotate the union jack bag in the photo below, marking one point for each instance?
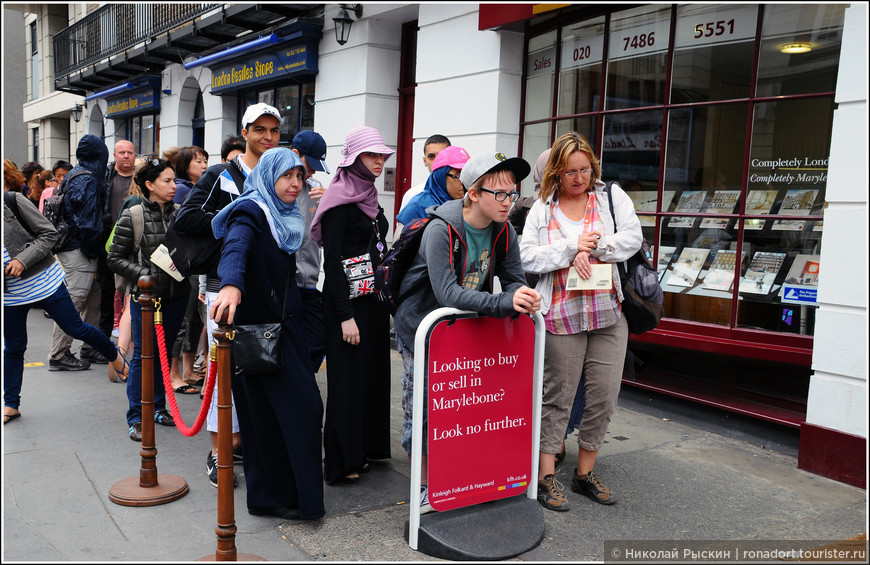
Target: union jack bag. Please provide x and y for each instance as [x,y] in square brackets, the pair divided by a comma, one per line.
[360,275]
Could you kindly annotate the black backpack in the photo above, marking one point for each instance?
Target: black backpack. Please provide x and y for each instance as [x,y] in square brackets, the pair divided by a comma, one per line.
[642,296]
[391,271]
[389,274]
[53,207]
[197,254]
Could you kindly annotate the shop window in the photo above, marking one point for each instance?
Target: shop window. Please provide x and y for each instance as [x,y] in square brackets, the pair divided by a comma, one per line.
[587,126]
[295,102]
[735,230]
[288,104]
[788,173]
[637,57]
[536,140]
[540,76]
[34,62]
[814,32]
[713,52]
[631,149]
[580,68]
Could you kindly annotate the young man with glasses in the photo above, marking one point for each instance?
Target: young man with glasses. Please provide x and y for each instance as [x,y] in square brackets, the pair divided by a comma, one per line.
[467,243]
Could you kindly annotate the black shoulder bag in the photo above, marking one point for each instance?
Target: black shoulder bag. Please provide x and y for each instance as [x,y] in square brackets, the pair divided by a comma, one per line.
[642,296]
[258,346]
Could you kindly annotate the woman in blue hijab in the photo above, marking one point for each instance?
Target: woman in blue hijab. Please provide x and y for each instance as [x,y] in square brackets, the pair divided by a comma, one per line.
[442,185]
[279,414]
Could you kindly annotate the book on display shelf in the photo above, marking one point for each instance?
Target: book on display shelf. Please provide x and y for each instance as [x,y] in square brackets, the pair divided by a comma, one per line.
[759,202]
[720,276]
[645,201]
[762,271]
[797,202]
[690,202]
[723,202]
[687,267]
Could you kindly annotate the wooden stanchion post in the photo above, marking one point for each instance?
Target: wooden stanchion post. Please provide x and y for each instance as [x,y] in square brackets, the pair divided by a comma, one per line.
[225,530]
[149,488]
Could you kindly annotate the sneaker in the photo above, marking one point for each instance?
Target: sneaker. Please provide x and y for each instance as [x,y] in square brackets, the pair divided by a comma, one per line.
[164,418]
[211,468]
[93,356]
[238,458]
[136,431]
[591,486]
[68,362]
[550,494]
[425,507]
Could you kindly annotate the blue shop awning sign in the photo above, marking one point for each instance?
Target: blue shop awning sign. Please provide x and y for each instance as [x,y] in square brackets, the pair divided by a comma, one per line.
[295,59]
[795,294]
[143,100]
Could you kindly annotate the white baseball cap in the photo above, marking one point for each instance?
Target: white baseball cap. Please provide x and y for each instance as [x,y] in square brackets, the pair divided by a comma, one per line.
[257,110]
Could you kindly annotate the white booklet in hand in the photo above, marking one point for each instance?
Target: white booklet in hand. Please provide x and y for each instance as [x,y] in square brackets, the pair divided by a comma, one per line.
[601,279]
[161,258]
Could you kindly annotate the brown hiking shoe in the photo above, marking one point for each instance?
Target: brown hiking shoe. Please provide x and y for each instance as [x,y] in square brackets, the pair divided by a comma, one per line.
[550,495]
[590,485]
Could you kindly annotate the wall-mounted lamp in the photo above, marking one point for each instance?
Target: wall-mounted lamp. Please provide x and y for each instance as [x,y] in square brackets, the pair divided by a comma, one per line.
[344,22]
[77,113]
[792,48]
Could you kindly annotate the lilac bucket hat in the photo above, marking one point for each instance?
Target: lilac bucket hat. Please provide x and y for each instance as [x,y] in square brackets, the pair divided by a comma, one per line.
[361,140]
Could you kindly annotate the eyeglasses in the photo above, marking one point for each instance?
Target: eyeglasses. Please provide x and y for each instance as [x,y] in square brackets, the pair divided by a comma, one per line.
[501,196]
[572,174]
[451,175]
[51,180]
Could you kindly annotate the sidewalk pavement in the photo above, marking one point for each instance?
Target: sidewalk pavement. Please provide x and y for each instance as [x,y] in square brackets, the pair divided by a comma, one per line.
[680,472]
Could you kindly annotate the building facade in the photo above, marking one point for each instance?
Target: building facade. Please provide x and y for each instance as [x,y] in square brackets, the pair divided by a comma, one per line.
[740,132]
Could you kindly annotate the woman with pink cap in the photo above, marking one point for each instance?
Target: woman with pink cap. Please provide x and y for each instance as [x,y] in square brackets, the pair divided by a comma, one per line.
[442,185]
[351,227]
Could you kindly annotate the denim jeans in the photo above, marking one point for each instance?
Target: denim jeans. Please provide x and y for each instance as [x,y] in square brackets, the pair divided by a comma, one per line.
[173,314]
[62,310]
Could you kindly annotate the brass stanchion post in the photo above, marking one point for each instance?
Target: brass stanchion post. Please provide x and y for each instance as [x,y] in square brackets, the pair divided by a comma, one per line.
[149,488]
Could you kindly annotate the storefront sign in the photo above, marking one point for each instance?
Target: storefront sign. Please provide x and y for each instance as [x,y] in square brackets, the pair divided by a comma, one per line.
[707,27]
[541,62]
[641,40]
[480,410]
[265,67]
[583,48]
[133,103]
[799,294]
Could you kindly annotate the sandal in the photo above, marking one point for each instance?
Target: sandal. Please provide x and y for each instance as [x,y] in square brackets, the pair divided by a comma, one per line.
[351,477]
[9,417]
[119,377]
[186,389]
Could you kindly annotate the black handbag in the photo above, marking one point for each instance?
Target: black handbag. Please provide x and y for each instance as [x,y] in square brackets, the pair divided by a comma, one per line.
[258,349]
[258,346]
[642,297]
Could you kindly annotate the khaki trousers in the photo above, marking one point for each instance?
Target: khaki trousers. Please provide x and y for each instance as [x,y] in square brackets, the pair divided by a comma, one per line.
[600,356]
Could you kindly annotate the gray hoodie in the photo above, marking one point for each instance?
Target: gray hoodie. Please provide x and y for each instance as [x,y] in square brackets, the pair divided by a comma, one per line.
[435,261]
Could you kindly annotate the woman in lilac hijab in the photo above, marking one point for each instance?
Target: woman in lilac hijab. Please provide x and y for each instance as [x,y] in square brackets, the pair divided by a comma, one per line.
[351,227]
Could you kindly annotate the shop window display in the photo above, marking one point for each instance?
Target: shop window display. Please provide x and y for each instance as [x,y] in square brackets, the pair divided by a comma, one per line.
[736,230]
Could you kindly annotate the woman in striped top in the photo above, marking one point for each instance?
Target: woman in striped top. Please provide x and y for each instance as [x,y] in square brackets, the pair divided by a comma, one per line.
[32,278]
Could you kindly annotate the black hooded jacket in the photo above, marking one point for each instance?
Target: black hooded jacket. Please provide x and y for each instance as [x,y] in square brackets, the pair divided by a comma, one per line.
[83,197]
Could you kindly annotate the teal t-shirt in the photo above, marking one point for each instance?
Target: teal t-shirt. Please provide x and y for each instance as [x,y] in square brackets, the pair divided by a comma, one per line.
[478,259]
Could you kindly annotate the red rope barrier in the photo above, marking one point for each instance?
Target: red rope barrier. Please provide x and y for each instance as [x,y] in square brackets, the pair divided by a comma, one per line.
[170,392]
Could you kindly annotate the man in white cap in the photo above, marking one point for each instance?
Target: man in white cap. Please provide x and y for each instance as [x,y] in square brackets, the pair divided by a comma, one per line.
[218,186]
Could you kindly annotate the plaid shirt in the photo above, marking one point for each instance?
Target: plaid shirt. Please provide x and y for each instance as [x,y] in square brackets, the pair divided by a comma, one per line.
[575,311]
